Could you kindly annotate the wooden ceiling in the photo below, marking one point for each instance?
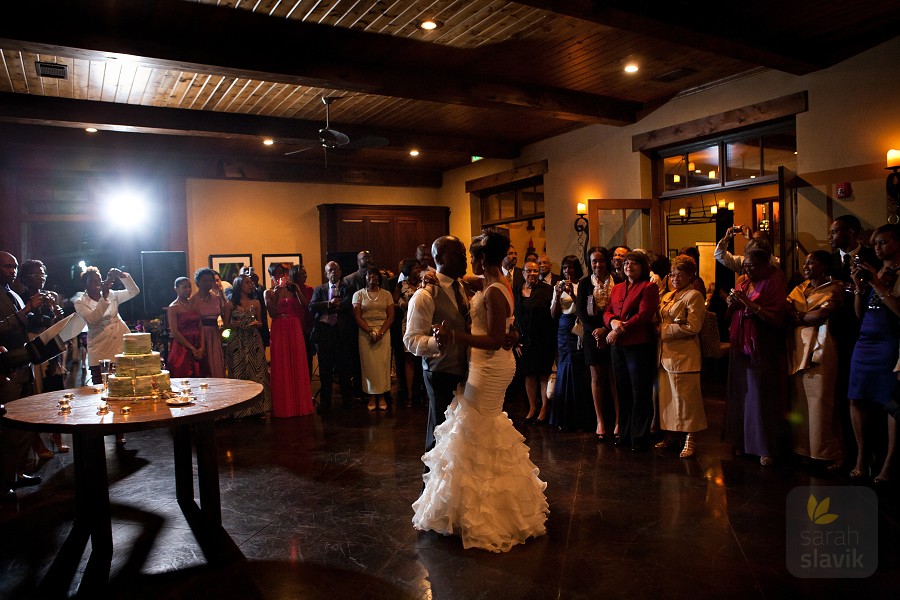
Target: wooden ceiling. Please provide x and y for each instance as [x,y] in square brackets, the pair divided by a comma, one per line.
[210,79]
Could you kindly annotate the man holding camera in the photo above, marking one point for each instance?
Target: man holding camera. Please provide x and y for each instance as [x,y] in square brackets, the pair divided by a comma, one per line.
[18,382]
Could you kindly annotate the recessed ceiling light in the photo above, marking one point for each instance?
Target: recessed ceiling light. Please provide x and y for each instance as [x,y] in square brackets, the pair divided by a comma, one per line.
[413,152]
[430,24]
[632,68]
[91,129]
[268,141]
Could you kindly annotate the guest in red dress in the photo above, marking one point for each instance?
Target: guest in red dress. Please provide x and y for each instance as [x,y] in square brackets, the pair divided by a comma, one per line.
[189,345]
[298,276]
[289,379]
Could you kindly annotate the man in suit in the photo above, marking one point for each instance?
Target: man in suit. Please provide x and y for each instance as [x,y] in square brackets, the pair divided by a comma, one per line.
[334,334]
[512,273]
[545,271]
[444,302]
[843,235]
[618,262]
[18,383]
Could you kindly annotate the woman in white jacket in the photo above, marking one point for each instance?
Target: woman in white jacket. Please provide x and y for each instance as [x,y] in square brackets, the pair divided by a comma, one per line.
[682,312]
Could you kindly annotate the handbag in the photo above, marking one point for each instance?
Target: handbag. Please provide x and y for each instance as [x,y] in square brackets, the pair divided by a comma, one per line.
[578,328]
[551,385]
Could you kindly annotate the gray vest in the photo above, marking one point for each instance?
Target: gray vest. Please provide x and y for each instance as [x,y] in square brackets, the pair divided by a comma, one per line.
[454,358]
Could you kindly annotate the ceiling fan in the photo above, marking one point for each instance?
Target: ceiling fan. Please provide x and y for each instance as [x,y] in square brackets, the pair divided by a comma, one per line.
[332,139]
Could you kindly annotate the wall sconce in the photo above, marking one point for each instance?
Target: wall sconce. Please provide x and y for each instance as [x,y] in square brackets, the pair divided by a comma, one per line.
[713,210]
[684,213]
[691,166]
[722,203]
[712,174]
[893,180]
[731,206]
[581,230]
[676,178]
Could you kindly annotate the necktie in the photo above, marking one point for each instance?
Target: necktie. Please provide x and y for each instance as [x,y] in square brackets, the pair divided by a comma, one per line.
[331,318]
[509,276]
[461,304]
[846,263]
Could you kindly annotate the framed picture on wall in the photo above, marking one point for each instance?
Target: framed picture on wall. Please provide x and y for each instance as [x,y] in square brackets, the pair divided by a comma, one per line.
[285,260]
[229,265]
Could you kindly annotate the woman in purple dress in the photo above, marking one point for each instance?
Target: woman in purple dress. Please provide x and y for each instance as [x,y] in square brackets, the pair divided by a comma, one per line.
[188,345]
[757,369]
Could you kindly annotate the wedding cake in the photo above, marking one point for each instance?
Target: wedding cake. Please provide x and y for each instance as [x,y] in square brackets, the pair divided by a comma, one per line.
[138,371]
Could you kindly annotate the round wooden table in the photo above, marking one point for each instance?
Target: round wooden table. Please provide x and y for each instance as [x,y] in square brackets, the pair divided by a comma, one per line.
[190,423]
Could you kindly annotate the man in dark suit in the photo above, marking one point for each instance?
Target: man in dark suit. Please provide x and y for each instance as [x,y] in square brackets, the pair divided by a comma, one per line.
[545,270]
[18,383]
[512,273]
[843,235]
[334,334]
[354,282]
[441,302]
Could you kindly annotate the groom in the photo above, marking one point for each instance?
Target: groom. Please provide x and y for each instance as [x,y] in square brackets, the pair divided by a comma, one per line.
[444,367]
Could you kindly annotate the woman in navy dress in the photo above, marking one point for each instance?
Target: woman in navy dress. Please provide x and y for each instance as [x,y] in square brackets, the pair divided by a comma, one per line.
[571,404]
[873,376]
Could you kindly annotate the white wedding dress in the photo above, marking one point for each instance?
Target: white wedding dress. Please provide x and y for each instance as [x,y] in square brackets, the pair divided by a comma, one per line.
[481,482]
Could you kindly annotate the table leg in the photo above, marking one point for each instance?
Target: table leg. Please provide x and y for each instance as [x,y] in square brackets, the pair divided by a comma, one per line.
[92,491]
[184,468]
[208,474]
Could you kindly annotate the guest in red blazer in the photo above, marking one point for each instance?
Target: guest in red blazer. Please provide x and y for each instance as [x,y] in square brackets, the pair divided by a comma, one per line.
[630,317]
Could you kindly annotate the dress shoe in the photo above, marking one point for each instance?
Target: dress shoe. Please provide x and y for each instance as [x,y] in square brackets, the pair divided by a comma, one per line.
[23,480]
[529,420]
[7,495]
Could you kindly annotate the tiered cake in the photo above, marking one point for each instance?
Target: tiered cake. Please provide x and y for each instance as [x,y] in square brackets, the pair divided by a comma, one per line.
[138,370]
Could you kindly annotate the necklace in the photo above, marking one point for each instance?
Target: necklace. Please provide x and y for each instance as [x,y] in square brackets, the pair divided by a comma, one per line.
[368,297]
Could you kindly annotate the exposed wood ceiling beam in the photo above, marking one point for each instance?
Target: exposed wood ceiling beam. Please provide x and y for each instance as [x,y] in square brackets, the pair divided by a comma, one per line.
[174,34]
[43,110]
[711,33]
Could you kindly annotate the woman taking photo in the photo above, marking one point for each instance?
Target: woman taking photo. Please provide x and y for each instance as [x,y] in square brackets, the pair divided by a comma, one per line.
[570,407]
[289,379]
[873,377]
[373,309]
[594,292]
[632,335]
[537,348]
[245,353]
[682,312]
[210,305]
[813,361]
[188,344]
[757,365]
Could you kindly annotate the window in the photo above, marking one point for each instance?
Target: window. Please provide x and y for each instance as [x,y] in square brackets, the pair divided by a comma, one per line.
[736,160]
[515,202]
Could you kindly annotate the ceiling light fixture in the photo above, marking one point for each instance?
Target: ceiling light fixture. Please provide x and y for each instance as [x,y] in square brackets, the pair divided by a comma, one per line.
[91,129]
[413,152]
[631,68]
[268,141]
[430,24]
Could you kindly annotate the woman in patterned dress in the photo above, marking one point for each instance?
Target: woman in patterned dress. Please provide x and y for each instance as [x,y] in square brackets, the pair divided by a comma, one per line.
[245,353]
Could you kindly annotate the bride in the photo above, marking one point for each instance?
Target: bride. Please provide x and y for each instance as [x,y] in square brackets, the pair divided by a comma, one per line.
[481,483]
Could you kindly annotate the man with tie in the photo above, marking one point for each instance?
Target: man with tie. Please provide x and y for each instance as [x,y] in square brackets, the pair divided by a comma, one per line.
[509,269]
[843,235]
[14,443]
[334,334]
[545,271]
[444,302]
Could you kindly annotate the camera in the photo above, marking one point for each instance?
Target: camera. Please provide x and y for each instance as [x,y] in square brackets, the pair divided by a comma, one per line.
[862,274]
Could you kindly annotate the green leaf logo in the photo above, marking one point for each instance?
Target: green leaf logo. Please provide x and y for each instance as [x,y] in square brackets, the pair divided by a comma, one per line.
[818,511]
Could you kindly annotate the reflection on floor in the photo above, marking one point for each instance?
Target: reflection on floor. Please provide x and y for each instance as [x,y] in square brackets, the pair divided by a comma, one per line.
[320,508]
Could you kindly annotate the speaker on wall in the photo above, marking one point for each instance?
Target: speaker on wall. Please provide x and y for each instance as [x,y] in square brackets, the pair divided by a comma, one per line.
[159,270]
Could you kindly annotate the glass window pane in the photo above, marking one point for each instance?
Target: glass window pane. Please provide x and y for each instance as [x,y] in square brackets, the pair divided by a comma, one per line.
[703,166]
[675,173]
[743,158]
[779,149]
[539,199]
[490,208]
[507,204]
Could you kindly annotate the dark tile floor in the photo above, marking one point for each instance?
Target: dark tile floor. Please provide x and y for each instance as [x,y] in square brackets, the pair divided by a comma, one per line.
[321,509]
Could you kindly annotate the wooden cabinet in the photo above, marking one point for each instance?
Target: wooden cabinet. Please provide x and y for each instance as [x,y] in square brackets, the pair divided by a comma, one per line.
[390,233]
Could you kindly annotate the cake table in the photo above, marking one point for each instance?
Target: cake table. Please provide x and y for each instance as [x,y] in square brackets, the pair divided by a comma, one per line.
[218,397]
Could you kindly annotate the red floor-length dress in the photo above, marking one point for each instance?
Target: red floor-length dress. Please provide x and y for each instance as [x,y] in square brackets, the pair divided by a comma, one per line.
[181,361]
[291,390]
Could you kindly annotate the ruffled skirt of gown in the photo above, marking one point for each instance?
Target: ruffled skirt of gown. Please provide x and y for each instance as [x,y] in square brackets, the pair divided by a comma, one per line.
[481,482]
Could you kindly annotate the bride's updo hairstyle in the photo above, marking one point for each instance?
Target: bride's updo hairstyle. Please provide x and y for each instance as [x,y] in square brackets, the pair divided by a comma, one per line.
[492,245]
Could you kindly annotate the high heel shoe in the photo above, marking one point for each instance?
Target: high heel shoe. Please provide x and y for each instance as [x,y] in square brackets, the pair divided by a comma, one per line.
[857,475]
[41,450]
[665,442]
[688,450]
